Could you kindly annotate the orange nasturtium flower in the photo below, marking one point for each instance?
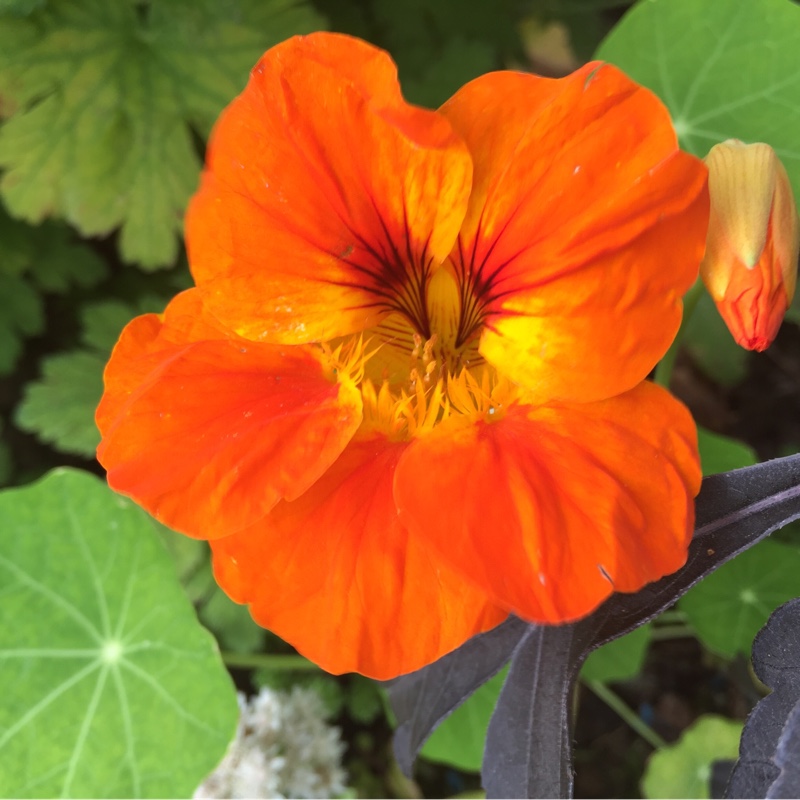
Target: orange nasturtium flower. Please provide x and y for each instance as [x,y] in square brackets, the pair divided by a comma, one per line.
[406,397]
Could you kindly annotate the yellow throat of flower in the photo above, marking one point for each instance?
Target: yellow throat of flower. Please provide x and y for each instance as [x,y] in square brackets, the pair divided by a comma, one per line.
[413,375]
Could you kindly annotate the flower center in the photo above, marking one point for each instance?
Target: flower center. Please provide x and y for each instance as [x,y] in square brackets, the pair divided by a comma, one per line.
[411,380]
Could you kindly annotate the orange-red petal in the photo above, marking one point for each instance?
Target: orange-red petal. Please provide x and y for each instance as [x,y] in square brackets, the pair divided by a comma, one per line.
[552,508]
[208,431]
[586,225]
[327,199]
[336,574]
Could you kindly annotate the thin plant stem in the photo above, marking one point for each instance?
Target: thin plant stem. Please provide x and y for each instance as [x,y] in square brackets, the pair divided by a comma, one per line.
[284,663]
[616,703]
[664,368]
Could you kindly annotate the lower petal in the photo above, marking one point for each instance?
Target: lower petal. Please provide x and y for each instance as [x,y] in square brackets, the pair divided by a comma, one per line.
[336,574]
[550,509]
[208,431]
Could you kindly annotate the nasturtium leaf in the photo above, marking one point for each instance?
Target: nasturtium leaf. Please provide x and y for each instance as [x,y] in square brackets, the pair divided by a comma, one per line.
[459,740]
[105,94]
[21,315]
[684,769]
[619,659]
[771,729]
[711,346]
[728,608]
[722,454]
[112,688]
[724,68]
[528,742]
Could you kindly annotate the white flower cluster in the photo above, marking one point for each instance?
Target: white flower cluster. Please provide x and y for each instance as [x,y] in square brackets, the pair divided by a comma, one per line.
[283,748]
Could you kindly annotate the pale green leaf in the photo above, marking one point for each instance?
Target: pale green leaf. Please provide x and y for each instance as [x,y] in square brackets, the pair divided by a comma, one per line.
[724,68]
[117,691]
[105,95]
[729,607]
[684,768]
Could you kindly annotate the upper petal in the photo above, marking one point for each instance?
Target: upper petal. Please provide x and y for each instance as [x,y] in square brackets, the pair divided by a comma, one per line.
[209,431]
[550,509]
[585,218]
[336,574]
[327,200]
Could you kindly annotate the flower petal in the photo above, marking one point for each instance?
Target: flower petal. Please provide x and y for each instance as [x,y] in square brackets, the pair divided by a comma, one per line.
[327,199]
[586,225]
[208,431]
[550,509]
[336,575]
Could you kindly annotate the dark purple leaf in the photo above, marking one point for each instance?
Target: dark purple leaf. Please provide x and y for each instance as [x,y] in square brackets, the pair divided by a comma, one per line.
[422,699]
[769,753]
[528,744]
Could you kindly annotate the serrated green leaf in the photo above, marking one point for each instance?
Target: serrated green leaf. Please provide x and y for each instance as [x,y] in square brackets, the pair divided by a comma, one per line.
[118,692]
[105,94]
[712,347]
[724,68]
[722,454]
[47,254]
[729,607]
[21,315]
[103,322]
[620,659]
[684,768]
[459,740]
[59,407]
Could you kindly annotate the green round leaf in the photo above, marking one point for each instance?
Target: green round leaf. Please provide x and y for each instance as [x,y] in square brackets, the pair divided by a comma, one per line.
[112,688]
[729,607]
[725,68]
[684,769]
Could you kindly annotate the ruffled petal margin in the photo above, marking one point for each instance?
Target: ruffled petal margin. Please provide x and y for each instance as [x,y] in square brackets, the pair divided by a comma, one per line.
[336,574]
[586,226]
[208,431]
[327,199]
[552,508]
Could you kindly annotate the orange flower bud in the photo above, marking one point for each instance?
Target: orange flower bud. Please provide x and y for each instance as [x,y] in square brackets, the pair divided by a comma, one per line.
[750,265]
